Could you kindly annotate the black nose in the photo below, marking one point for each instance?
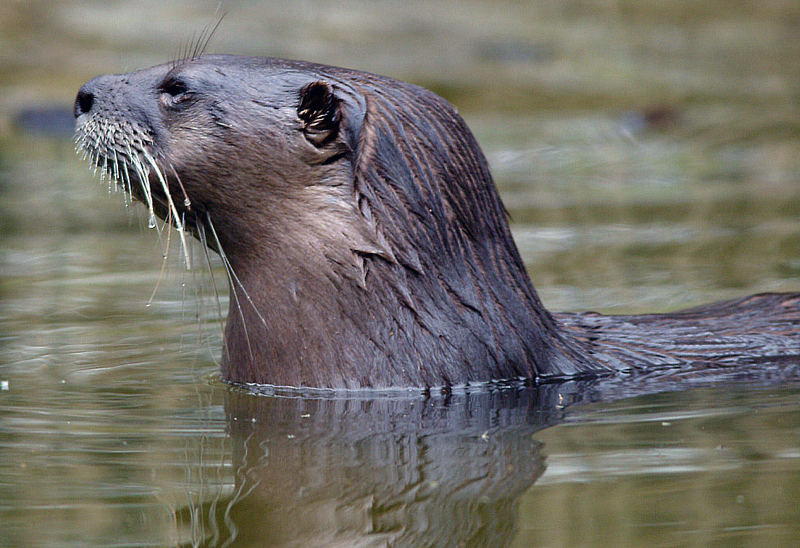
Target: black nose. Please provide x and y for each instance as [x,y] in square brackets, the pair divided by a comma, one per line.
[84,101]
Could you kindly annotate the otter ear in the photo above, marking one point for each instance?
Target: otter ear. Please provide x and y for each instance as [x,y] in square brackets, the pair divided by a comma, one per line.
[319,111]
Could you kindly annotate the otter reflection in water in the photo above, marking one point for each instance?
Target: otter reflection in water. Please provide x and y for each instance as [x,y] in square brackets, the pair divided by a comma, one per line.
[384,471]
[402,469]
[365,241]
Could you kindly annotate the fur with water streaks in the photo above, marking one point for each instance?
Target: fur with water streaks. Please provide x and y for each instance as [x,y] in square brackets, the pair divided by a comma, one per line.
[366,242]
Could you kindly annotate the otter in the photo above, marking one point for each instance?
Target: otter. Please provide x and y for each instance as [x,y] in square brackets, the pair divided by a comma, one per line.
[366,243]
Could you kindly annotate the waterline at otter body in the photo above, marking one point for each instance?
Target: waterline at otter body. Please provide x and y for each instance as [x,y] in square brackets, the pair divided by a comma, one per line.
[365,241]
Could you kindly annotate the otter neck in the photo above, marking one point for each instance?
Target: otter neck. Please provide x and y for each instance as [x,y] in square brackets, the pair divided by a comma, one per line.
[333,309]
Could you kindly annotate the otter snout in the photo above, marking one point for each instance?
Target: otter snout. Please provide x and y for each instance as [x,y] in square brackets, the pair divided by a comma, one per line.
[84,101]
[100,93]
[113,119]
[87,99]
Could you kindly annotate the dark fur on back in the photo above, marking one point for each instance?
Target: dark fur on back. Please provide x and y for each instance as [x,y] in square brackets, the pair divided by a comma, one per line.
[367,243]
[456,280]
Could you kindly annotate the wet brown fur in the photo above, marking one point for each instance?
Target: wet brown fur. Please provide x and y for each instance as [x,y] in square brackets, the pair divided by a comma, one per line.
[367,243]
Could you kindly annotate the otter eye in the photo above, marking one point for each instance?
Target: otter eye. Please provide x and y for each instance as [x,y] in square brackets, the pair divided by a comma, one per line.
[174,92]
[319,110]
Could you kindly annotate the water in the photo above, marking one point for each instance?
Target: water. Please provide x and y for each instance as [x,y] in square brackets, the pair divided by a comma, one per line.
[648,156]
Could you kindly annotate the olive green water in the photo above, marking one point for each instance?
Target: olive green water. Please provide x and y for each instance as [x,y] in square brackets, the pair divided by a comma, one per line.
[649,154]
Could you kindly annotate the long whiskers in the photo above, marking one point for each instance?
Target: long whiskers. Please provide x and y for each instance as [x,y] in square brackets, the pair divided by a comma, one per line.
[234,292]
[144,181]
[198,44]
[121,151]
[186,201]
[201,233]
[173,209]
[233,273]
[234,281]
[208,33]
[163,264]
[100,141]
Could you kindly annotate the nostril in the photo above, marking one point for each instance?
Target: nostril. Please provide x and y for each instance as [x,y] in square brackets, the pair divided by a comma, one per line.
[83,102]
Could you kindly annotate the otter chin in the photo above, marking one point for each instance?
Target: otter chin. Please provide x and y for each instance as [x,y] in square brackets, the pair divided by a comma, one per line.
[366,243]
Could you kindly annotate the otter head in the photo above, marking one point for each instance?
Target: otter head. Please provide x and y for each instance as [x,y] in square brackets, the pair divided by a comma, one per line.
[366,242]
[240,140]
